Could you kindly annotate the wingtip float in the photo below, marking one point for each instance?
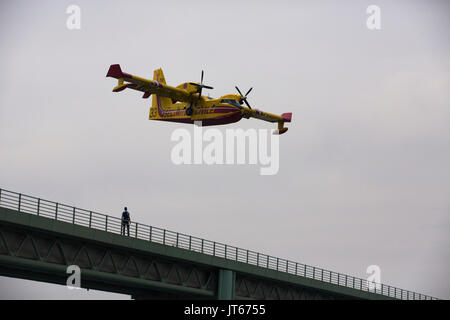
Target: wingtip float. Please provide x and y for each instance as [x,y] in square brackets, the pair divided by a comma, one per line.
[185,103]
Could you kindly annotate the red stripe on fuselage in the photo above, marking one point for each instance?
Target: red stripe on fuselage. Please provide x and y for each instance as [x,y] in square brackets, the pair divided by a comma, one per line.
[220,109]
[234,117]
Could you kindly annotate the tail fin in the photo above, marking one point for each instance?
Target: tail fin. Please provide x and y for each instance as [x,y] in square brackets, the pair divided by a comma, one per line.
[158,102]
[158,75]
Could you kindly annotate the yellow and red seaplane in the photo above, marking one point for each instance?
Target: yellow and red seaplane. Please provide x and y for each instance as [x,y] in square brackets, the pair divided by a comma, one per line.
[186,104]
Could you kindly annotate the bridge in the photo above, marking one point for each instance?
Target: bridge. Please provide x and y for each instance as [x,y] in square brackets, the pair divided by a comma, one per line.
[39,239]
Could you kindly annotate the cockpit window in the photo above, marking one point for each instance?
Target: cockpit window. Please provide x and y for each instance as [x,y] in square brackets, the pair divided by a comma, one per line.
[231,101]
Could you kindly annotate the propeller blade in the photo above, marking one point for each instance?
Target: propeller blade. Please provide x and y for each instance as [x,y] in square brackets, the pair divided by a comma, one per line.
[244,98]
[238,90]
[200,86]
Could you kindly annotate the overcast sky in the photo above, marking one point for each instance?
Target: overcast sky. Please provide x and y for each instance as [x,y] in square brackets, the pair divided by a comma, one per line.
[364,172]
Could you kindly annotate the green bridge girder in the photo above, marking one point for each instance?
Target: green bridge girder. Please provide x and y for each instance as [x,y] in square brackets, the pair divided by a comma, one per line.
[39,248]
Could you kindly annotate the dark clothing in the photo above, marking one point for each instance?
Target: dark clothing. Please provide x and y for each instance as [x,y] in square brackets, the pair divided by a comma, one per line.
[125,223]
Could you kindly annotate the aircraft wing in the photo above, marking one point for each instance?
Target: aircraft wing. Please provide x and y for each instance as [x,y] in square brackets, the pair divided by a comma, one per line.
[148,87]
[285,117]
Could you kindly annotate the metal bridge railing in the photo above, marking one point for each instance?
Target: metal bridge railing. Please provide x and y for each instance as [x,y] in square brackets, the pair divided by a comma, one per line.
[91,219]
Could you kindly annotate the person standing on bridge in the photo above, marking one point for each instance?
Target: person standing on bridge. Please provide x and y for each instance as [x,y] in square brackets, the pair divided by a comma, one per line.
[125,221]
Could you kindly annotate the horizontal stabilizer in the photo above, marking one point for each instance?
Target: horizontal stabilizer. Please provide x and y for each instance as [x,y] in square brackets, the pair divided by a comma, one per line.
[115,71]
[123,86]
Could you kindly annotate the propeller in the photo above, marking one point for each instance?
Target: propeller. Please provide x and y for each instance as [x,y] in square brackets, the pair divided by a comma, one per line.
[200,86]
[244,98]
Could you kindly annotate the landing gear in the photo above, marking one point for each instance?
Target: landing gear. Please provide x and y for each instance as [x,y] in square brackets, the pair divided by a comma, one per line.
[190,110]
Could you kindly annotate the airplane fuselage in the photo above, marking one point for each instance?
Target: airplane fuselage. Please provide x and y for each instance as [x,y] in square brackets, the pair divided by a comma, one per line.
[186,104]
[209,111]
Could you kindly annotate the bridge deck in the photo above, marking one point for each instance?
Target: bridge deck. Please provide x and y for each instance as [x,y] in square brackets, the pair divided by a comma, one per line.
[80,222]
